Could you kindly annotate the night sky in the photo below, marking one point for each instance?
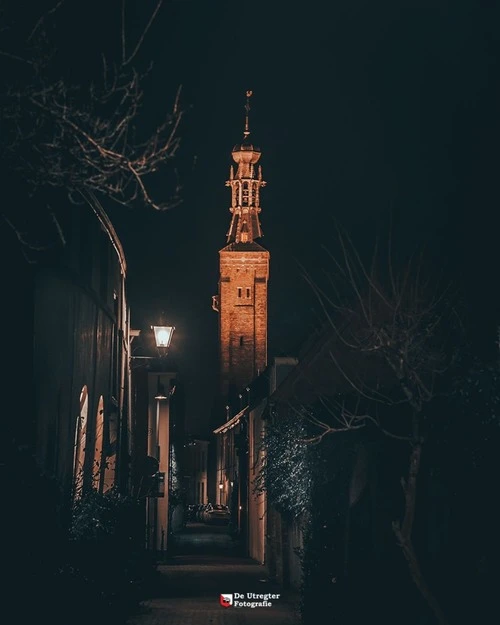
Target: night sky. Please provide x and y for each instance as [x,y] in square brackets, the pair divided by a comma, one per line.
[364,111]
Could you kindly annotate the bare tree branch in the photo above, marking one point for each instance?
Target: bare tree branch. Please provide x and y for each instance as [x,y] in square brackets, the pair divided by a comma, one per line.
[15,57]
[43,18]
[123,38]
[405,326]
[63,135]
[128,60]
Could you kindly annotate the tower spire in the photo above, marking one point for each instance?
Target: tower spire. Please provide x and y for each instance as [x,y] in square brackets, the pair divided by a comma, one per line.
[247,111]
[245,184]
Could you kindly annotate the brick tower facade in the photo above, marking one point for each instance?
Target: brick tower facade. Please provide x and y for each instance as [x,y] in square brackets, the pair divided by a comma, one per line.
[244,272]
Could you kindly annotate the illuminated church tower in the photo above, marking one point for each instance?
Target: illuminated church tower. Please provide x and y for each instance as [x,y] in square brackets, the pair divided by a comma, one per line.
[244,272]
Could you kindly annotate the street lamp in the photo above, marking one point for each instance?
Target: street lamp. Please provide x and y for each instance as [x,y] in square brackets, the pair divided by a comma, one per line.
[163,336]
[155,512]
[160,391]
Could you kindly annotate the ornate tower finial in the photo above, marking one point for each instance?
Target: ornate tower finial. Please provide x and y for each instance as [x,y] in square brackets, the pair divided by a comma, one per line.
[245,184]
[247,110]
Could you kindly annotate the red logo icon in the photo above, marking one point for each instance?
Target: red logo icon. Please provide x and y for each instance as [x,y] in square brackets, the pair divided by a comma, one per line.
[226,600]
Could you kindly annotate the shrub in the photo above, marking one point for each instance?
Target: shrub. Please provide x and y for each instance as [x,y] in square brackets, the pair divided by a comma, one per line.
[106,571]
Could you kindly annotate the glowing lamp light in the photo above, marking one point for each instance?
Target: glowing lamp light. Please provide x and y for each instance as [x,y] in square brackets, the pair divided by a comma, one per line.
[160,391]
[221,485]
[163,335]
[160,395]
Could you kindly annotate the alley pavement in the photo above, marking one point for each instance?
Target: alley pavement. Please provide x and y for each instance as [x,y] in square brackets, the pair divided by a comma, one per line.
[206,564]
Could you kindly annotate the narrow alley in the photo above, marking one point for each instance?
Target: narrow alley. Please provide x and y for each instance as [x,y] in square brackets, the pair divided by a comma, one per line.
[206,564]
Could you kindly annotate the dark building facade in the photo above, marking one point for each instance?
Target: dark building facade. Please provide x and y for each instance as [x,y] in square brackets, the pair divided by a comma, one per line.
[68,296]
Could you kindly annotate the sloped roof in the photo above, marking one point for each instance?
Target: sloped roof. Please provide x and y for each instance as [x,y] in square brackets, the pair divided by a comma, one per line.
[232,422]
[251,246]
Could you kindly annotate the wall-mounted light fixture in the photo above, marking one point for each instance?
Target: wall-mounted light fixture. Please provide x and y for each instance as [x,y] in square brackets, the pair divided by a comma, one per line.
[160,391]
[163,336]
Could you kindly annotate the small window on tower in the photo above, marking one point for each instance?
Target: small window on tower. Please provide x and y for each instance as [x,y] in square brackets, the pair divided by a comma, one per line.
[239,291]
[248,292]
[241,341]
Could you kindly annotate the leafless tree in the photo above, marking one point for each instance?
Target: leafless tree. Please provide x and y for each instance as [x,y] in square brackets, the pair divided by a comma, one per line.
[85,136]
[401,324]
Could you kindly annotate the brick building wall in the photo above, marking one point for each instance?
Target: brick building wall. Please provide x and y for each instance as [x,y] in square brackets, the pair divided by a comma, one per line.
[244,271]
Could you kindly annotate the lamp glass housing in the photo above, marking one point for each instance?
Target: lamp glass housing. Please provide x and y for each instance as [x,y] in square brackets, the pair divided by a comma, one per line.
[163,335]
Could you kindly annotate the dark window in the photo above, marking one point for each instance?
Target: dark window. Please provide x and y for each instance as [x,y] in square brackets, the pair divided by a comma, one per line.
[248,292]
[239,291]
[241,341]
